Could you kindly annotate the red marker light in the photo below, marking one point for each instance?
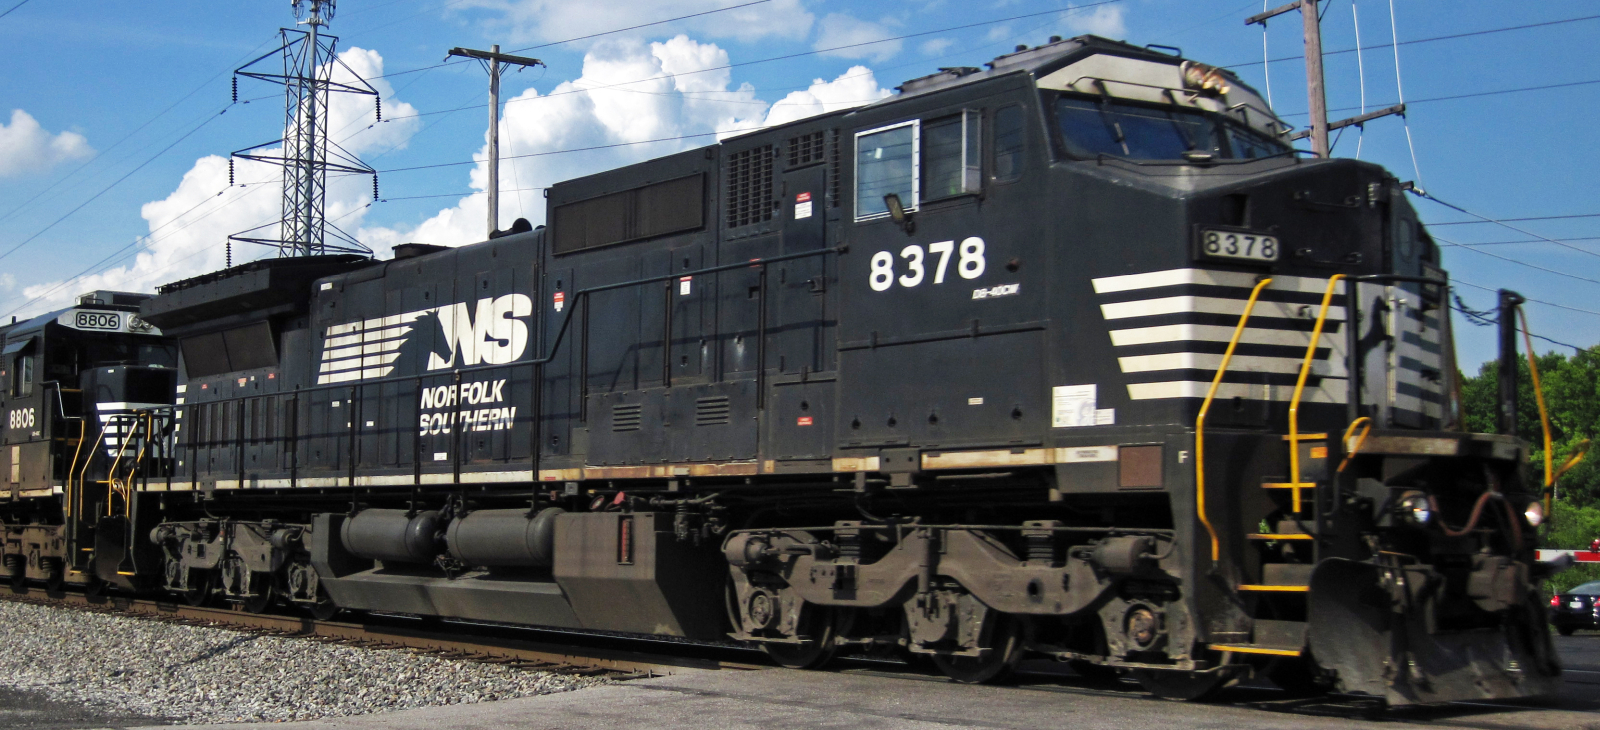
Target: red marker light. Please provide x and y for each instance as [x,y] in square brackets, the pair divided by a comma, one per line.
[1555,601]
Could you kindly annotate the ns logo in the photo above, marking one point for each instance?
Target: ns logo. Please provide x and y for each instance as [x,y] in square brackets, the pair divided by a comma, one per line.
[490,331]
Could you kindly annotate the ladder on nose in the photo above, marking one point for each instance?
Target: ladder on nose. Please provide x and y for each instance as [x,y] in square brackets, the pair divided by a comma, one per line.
[1308,469]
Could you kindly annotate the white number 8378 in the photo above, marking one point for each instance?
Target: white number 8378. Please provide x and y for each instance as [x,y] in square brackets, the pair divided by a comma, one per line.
[969,263]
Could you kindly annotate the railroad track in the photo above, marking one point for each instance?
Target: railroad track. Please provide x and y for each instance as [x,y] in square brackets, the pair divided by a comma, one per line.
[520,647]
[625,657]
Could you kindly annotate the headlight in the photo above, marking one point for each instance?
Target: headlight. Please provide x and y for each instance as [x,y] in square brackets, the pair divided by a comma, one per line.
[1534,513]
[1415,508]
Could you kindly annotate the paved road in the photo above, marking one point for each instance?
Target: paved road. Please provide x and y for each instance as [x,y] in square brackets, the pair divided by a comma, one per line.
[35,711]
[867,698]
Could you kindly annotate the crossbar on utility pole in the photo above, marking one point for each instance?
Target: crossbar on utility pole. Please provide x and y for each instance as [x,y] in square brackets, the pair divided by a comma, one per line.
[491,60]
[1314,88]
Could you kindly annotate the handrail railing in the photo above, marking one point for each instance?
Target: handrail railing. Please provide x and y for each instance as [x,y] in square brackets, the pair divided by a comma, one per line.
[1351,451]
[1299,390]
[535,364]
[1200,420]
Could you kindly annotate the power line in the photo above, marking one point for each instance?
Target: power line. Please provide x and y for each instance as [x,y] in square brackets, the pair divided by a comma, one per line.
[1487,219]
[115,183]
[1523,263]
[1473,95]
[1454,280]
[641,25]
[581,38]
[1421,40]
[136,130]
[1514,220]
[13,7]
[781,58]
[1522,240]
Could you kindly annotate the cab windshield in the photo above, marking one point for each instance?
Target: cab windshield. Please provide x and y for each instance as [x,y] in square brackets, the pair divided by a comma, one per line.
[1094,127]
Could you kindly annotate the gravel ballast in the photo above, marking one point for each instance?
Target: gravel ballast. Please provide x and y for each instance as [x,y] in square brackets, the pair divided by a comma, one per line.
[190,674]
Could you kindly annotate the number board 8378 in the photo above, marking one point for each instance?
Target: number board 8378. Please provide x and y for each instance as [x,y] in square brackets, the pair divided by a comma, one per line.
[1238,244]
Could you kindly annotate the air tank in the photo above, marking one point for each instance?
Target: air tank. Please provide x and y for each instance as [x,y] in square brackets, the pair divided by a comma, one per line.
[392,535]
[504,537]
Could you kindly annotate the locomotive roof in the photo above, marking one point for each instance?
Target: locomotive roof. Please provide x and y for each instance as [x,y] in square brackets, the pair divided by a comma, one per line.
[1043,60]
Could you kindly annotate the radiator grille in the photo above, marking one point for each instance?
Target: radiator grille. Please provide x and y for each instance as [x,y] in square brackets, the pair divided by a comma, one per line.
[626,417]
[749,198]
[806,149]
[712,411]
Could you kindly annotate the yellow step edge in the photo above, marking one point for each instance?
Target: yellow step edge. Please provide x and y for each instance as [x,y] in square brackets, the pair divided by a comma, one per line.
[1281,536]
[1274,589]
[1256,650]
[1309,437]
[1288,485]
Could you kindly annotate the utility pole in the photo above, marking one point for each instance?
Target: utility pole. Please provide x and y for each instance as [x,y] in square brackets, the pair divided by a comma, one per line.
[491,60]
[1315,92]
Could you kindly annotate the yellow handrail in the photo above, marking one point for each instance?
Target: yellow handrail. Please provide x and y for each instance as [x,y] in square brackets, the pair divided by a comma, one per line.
[66,499]
[1200,420]
[1360,442]
[1300,387]
[1544,415]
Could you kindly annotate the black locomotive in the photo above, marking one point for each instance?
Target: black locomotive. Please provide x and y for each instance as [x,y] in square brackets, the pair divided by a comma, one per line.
[76,389]
[1068,357]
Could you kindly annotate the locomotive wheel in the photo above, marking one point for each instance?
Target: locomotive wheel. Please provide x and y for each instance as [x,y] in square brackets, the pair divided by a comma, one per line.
[1005,651]
[324,608]
[820,624]
[262,600]
[1179,686]
[201,586]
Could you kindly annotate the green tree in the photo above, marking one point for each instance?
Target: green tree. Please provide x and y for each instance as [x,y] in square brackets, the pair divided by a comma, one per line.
[1572,394]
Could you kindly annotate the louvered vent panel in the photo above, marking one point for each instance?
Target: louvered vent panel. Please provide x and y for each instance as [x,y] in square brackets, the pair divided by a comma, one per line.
[626,417]
[749,177]
[806,149]
[834,172]
[711,411]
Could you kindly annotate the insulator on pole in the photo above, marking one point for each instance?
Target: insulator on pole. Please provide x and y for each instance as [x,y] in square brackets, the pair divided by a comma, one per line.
[236,89]
[230,255]
[230,172]
[374,187]
[378,102]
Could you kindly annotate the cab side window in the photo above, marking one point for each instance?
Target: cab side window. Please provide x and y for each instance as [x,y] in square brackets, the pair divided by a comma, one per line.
[1010,143]
[950,156]
[22,376]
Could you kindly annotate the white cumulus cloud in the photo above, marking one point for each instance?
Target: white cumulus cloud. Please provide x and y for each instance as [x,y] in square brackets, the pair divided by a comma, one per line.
[26,147]
[188,228]
[679,103]
[1102,20]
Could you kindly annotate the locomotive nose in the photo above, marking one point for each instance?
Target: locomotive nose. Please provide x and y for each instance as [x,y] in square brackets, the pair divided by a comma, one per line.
[1314,213]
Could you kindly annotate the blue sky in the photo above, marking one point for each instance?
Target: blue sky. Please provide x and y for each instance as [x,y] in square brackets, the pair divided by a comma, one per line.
[125,98]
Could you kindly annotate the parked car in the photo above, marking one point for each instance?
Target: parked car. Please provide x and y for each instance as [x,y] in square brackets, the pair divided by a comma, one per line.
[1578,608]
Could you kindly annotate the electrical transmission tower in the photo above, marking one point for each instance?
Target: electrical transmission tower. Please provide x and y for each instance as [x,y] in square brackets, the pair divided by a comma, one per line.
[309,60]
